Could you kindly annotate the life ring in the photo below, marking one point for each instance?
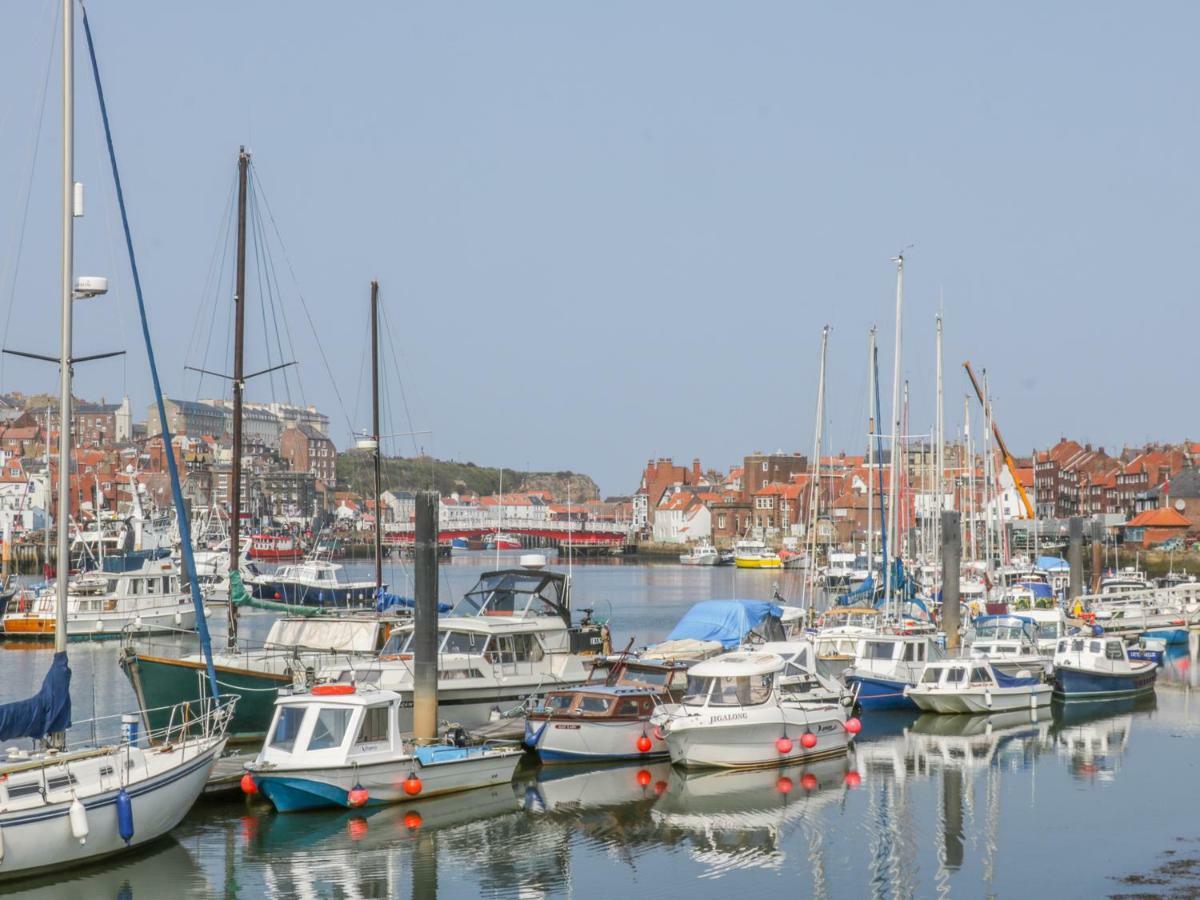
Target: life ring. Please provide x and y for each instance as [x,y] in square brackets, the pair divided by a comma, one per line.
[325,690]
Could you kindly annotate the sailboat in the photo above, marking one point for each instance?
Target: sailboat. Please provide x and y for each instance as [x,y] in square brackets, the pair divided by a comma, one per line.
[65,803]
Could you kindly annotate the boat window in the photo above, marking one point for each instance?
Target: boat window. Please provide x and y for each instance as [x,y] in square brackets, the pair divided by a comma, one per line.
[111,587]
[135,586]
[287,724]
[655,677]
[1094,647]
[330,729]
[1077,645]
[878,650]
[398,642]
[983,648]
[463,642]
[1047,630]
[374,725]
[594,706]
[930,676]
[151,585]
[980,676]
[526,648]
[1062,646]
[558,702]
[629,706]
[955,675]
[697,690]
[1112,650]
[458,674]
[741,690]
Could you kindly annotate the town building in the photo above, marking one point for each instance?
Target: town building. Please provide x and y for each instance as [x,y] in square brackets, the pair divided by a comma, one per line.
[308,450]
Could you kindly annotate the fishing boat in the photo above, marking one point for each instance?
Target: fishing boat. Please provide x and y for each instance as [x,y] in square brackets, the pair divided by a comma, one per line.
[152,598]
[755,555]
[734,714]
[703,554]
[1099,668]
[65,803]
[275,547]
[502,541]
[885,664]
[313,583]
[339,745]
[976,686]
[460,543]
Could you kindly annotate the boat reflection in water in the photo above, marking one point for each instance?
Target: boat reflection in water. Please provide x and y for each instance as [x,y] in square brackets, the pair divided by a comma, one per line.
[160,869]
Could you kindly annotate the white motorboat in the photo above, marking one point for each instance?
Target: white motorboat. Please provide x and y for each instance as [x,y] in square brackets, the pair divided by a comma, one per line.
[839,571]
[976,686]
[1009,642]
[339,745]
[703,554]
[152,598]
[885,664]
[734,714]
[837,635]
[509,641]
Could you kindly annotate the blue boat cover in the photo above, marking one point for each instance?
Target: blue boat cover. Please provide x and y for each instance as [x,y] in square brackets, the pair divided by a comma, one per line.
[727,621]
[1038,588]
[1006,681]
[47,712]
[385,601]
[864,591]
[1052,563]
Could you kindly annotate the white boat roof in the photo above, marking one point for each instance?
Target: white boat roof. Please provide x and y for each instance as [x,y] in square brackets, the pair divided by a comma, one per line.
[363,695]
[730,665]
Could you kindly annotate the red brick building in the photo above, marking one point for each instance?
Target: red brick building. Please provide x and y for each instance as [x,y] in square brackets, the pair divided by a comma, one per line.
[308,450]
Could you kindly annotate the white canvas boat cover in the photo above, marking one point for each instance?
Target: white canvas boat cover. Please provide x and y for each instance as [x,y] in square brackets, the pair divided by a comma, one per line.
[341,635]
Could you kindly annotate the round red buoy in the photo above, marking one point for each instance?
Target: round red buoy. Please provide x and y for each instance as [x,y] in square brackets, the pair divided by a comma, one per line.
[644,744]
[808,781]
[249,786]
[412,785]
[659,787]
[853,779]
[644,777]
[357,828]
[784,745]
[784,785]
[412,820]
[357,796]
[853,725]
[808,740]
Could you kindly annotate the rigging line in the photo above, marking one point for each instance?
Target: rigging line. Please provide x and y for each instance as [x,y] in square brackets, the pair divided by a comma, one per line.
[212,280]
[304,305]
[262,303]
[275,297]
[362,365]
[216,286]
[387,327]
[33,155]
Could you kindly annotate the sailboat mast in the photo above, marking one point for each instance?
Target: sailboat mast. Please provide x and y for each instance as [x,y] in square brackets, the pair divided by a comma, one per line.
[375,433]
[814,492]
[62,563]
[940,459]
[870,452]
[239,340]
[894,472]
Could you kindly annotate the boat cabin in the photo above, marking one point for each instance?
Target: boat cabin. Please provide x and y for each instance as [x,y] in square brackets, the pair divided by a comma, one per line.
[895,655]
[518,593]
[967,674]
[734,679]
[1095,652]
[610,702]
[332,724]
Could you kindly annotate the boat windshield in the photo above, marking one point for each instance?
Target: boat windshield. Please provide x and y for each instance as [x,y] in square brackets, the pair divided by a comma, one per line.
[330,729]
[287,726]
[448,642]
[514,594]
[558,703]
[878,649]
[931,675]
[736,690]
[1047,630]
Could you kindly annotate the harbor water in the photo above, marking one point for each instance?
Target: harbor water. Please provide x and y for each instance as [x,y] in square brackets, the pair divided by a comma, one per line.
[1068,802]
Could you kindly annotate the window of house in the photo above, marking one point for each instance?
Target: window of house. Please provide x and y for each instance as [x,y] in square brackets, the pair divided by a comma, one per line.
[721,520]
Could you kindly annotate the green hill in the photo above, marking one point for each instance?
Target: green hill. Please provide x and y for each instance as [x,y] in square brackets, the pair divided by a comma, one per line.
[354,471]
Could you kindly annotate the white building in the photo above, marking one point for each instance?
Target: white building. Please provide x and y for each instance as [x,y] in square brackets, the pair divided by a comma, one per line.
[682,519]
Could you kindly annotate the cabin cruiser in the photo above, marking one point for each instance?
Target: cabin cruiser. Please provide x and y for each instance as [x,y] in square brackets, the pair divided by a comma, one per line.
[1098,667]
[509,641]
[885,664]
[837,634]
[109,602]
[703,554]
[596,722]
[1009,642]
[976,686]
[755,555]
[341,745]
[735,714]
[1127,580]
[312,583]
[800,676]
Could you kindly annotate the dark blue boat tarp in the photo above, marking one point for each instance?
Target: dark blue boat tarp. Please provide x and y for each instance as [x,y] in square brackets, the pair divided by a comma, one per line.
[385,601]
[864,591]
[726,621]
[1007,681]
[47,712]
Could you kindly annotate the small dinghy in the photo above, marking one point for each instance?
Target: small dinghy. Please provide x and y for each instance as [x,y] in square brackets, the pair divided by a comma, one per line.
[976,686]
[337,745]
[735,714]
[1099,668]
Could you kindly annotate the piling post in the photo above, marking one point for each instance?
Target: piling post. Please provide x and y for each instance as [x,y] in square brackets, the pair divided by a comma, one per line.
[951,566]
[1097,554]
[425,617]
[1075,556]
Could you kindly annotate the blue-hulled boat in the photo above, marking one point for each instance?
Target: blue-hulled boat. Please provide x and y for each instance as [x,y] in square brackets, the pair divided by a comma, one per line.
[1098,667]
[885,664]
[312,583]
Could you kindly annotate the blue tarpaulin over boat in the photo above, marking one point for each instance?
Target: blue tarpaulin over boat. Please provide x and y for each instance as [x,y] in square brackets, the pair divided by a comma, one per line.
[1037,588]
[864,591]
[47,712]
[1005,681]
[727,621]
[385,601]
[1052,563]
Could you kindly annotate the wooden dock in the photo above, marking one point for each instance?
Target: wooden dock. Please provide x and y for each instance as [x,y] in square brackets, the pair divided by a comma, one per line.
[226,777]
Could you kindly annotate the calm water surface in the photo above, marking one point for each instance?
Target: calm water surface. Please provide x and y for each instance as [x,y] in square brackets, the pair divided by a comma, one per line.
[1087,802]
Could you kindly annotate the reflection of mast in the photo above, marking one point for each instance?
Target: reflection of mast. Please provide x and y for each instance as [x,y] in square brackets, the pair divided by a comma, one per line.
[424,865]
[952,817]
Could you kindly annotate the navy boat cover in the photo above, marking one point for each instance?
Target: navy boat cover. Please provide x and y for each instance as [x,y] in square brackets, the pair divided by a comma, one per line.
[47,712]
[727,621]
[385,601]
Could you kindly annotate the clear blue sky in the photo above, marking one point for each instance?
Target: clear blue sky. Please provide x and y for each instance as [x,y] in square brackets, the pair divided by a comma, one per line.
[613,231]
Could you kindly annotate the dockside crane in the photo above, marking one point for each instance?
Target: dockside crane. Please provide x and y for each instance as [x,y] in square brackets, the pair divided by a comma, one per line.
[1008,458]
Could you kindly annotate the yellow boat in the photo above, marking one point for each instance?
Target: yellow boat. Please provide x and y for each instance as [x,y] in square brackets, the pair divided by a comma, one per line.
[755,555]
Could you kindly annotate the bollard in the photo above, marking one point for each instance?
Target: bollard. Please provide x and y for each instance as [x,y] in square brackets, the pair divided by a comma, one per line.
[951,567]
[425,617]
[1075,556]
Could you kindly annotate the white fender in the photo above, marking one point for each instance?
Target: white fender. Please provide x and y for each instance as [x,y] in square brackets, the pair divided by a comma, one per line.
[79,822]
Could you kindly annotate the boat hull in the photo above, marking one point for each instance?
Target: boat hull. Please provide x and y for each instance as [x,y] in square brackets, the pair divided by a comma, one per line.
[876,693]
[102,625]
[1085,684]
[698,560]
[756,563]
[580,740]
[700,742]
[308,595]
[994,700]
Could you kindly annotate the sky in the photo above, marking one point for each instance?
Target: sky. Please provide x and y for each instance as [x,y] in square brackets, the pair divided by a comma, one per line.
[610,232]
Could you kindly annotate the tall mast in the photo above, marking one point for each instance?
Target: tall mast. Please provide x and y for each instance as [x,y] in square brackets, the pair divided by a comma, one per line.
[871,452]
[894,472]
[814,493]
[970,504]
[375,433]
[940,460]
[63,563]
[239,338]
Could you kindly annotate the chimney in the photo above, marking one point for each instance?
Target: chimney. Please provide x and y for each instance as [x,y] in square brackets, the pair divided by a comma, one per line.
[696,470]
